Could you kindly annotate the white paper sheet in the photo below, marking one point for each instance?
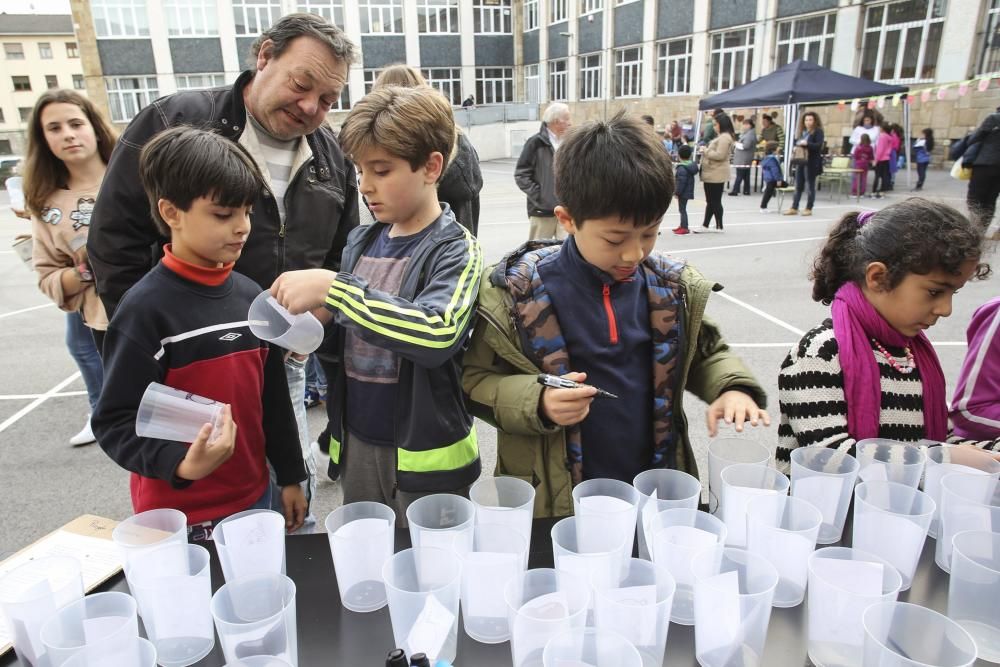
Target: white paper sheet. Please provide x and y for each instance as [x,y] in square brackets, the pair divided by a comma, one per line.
[362,528]
[485,575]
[894,538]
[676,545]
[539,620]
[185,612]
[650,509]
[599,571]
[635,618]
[842,623]
[718,598]
[431,629]
[254,544]
[734,511]
[873,472]
[823,492]
[593,532]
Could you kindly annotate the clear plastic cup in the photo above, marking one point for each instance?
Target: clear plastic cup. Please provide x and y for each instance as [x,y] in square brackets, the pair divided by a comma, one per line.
[499,554]
[269,321]
[173,588]
[608,499]
[968,502]
[597,557]
[250,543]
[166,413]
[975,588]
[843,582]
[732,606]
[30,594]
[945,460]
[505,500]
[590,647]
[901,634]
[15,188]
[825,477]
[362,537]
[884,460]
[106,621]
[724,452]
[783,530]
[149,530]
[142,653]
[638,608]
[423,585]
[742,482]
[679,534]
[891,520]
[662,489]
[442,520]
[255,615]
[542,603]
[259,661]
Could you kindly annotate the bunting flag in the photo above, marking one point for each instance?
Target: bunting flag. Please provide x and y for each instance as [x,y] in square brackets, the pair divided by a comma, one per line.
[841,105]
[942,92]
[984,83]
[910,99]
[881,102]
[855,104]
[963,89]
[895,99]
[925,95]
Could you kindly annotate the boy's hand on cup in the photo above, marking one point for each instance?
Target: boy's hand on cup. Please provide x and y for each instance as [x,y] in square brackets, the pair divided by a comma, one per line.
[971,456]
[734,407]
[204,456]
[299,291]
[566,407]
[294,506]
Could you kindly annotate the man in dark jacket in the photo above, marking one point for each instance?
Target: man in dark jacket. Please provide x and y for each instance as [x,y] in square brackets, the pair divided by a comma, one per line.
[984,186]
[534,174]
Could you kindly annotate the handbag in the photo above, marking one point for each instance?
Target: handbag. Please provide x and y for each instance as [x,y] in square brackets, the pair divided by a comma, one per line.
[800,155]
[959,171]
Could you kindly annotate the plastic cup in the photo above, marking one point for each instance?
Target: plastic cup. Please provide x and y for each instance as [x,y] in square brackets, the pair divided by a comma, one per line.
[901,634]
[638,608]
[250,543]
[610,499]
[742,482]
[843,582]
[269,321]
[259,661]
[147,531]
[142,653]
[255,615]
[505,500]
[166,413]
[679,534]
[15,188]
[442,520]
[105,621]
[30,594]
[732,606]
[975,588]
[941,461]
[968,502]
[541,604]
[596,555]
[423,586]
[890,461]
[662,489]
[891,520]
[499,554]
[173,588]
[825,477]
[724,452]
[783,530]
[590,647]
[362,537]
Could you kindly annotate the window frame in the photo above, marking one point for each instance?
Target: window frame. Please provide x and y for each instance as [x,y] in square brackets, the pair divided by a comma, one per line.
[369,76]
[747,49]
[558,11]
[380,8]
[207,10]
[73,52]
[530,15]
[51,81]
[536,78]
[428,9]
[452,82]
[101,13]
[557,70]
[992,28]
[825,40]
[591,7]
[46,50]
[591,76]
[21,83]
[79,78]
[320,7]
[140,96]
[218,80]
[505,81]
[882,33]
[633,69]
[24,113]
[681,61]
[9,53]
[501,17]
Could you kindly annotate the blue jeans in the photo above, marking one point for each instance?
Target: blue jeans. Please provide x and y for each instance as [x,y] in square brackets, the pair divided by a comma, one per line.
[295,372]
[804,176]
[682,208]
[315,377]
[81,346]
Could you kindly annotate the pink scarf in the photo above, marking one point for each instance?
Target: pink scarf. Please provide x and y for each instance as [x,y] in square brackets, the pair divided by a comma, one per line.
[855,322]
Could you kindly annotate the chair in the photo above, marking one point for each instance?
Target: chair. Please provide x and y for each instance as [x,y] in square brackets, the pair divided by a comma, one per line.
[838,179]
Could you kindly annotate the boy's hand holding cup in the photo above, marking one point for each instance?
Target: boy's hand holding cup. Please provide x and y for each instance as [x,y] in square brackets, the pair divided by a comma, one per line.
[301,291]
[204,456]
[565,407]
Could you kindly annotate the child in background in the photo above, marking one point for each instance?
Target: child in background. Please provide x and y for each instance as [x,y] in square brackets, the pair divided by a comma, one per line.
[975,408]
[922,149]
[883,155]
[870,371]
[684,176]
[771,168]
[864,156]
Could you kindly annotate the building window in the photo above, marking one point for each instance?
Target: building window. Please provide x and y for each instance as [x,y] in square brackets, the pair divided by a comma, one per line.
[25,113]
[332,11]
[491,17]
[370,76]
[128,94]
[807,39]
[732,58]
[448,80]
[530,14]
[51,81]
[199,81]
[590,77]
[901,41]
[989,58]
[531,93]
[437,16]
[628,72]
[558,81]
[673,62]
[191,18]
[558,10]
[120,18]
[379,17]
[71,50]
[253,17]
[21,83]
[494,85]
[13,51]
[344,101]
[45,50]
[78,83]
[588,6]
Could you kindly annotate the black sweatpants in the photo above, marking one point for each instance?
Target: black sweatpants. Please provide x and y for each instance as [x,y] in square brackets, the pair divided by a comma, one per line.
[713,203]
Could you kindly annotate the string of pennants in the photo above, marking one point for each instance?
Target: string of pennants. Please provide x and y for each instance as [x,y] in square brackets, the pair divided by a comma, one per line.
[939,92]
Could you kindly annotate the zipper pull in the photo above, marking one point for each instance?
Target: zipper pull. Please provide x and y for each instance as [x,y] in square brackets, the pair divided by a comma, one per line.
[281,230]
[395,487]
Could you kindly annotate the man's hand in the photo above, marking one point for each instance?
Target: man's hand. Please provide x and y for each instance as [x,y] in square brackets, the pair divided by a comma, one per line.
[294,506]
[566,407]
[299,291]
[734,407]
[203,457]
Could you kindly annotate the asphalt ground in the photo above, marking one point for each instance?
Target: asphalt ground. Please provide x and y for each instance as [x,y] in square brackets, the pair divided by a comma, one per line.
[761,259]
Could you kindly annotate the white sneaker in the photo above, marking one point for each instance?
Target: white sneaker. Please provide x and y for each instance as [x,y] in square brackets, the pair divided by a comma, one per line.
[84,437]
[763,210]
[321,460]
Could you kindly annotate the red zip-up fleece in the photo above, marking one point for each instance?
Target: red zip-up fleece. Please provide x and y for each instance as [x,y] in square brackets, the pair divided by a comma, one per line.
[186,327]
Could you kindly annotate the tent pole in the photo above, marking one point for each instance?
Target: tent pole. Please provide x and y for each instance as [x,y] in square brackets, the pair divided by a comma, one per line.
[908,133]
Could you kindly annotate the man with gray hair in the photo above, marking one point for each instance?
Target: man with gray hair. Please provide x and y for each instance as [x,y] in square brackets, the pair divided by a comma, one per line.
[535,176]
[277,110]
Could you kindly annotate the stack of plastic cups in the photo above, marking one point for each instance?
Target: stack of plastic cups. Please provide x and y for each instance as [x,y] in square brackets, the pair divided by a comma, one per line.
[543,603]
[255,615]
[499,554]
[147,531]
[442,520]
[638,608]
[724,452]
[592,647]
[733,592]
[31,594]
[825,477]
[596,557]
[890,461]
[505,500]
[678,535]
[783,530]
[105,621]
[173,589]
[890,521]
[900,634]
[251,543]
[974,589]
[607,499]
[362,538]
[259,661]
[843,583]
[662,489]
[423,584]
[141,654]
[967,503]
[942,461]
[740,483]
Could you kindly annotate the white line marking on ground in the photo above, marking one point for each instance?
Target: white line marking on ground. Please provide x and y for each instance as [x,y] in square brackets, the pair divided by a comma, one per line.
[684,251]
[757,311]
[28,397]
[14,418]
[25,310]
